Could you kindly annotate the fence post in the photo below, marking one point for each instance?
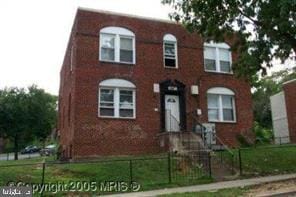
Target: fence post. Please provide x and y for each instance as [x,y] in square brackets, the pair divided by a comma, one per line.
[210,164]
[131,171]
[43,175]
[280,140]
[7,156]
[240,162]
[232,164]
[169,168]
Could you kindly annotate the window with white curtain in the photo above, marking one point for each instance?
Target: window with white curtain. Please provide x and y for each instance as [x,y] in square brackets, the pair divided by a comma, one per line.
[217,57]
[117,99]
[117,44]
[221,105]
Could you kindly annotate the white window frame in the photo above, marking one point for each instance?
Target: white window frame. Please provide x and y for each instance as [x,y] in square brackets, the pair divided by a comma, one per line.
[221,91]
[170,39]
[118,32]
[218,46]
[116,85]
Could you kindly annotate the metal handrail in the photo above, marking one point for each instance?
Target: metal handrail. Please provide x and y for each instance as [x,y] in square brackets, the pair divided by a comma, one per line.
[203,128]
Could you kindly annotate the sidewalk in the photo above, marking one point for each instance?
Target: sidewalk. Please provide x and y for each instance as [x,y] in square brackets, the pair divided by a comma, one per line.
[211,186]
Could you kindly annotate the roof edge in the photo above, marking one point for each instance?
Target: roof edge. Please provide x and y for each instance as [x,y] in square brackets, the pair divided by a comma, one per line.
[290,81]
[126,15]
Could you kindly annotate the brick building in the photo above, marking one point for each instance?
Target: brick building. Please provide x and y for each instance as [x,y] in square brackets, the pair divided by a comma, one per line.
[127,81]
[283,106]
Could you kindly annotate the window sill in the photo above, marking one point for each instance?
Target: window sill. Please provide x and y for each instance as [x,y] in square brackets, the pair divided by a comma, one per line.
[174,68]
[114,62]
[116,118]
[216,72]
[218,121]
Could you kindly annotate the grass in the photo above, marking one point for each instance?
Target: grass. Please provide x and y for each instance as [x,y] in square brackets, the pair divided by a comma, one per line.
[266,160]
[269,160]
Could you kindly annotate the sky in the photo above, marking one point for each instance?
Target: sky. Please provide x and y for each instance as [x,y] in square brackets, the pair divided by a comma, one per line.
[34,36]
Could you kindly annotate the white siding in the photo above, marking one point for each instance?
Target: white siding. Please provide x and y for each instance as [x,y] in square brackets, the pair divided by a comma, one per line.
[279,118]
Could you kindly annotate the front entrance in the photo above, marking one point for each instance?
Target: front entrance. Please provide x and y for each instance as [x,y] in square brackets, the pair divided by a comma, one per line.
[172,113]
[172,106]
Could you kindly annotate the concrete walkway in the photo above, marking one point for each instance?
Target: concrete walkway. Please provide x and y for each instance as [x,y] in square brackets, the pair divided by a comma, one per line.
[211,186]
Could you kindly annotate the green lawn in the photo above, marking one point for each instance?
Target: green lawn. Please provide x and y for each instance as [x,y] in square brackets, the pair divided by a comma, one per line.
[268,160]
[233,192]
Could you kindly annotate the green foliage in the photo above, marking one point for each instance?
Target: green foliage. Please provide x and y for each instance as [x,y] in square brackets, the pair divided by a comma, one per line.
[263,135]
[264,88]
[242,141]
[263,30]
[26,115]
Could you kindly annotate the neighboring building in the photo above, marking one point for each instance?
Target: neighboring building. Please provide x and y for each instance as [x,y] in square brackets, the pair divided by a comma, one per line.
[128,81]
[283,107]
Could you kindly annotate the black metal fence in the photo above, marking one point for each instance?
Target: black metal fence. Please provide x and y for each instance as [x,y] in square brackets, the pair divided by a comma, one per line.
[149,172]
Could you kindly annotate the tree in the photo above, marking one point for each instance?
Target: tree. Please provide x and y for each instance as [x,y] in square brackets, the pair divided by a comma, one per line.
[14,116]
[264,88]
[263,29]
[43,112]
[26,115]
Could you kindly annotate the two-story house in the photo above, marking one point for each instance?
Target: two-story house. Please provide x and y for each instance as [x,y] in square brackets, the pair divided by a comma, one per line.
[128,81]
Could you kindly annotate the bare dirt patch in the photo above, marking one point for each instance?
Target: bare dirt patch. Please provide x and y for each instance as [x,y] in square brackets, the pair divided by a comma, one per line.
[270,189]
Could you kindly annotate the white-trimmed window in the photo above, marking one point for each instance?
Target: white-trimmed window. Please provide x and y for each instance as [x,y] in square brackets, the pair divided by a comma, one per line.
[117,44]
[217,57]
[221,105]
[117,99]
[170,55]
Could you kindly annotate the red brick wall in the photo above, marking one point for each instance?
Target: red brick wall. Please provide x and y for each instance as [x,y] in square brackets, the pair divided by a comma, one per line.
[86,131]
[290,98]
